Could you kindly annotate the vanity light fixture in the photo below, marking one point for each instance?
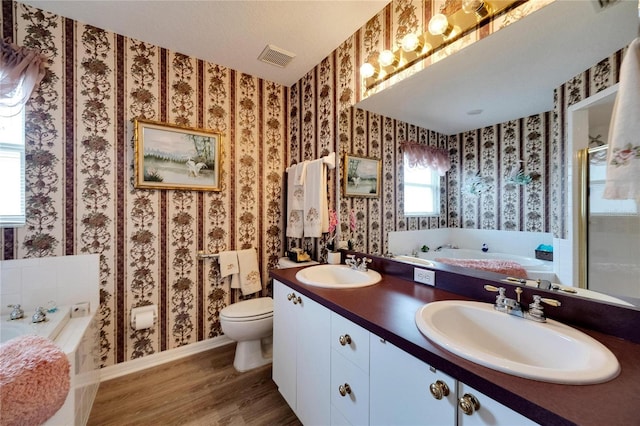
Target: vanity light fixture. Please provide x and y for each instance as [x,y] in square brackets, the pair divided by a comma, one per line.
[442,30]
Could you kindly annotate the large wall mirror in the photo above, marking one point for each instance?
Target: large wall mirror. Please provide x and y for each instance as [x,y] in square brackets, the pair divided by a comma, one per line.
[538,54]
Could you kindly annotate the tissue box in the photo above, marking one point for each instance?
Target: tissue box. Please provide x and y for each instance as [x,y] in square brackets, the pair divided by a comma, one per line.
[544,255]
[298,256]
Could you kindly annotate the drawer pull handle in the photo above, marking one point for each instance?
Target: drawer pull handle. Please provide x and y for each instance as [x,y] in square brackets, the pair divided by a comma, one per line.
[344,389]
[290,296]
[468,404]
[345,340]
[439,389]
[296,300]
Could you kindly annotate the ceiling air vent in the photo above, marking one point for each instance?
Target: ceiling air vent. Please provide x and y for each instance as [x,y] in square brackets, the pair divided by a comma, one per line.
[275,56]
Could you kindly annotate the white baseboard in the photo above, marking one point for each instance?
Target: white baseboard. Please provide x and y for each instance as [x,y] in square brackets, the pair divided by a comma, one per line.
[138,364]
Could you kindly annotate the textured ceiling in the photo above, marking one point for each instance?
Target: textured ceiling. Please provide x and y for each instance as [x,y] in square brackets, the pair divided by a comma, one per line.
[230,33]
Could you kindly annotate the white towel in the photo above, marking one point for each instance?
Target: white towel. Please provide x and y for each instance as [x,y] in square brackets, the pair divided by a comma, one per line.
[249,273]
[228,261]
[316,213]
[295,201]
[623,157]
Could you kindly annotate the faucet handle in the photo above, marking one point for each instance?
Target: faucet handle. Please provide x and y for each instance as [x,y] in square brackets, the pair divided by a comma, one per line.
[550,302]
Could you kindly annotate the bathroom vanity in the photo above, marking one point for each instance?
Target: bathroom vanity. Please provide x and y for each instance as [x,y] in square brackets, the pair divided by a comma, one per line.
[355,356]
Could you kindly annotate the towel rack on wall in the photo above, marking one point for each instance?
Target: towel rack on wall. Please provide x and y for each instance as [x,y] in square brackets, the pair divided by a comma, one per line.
[202,255]
[329,160]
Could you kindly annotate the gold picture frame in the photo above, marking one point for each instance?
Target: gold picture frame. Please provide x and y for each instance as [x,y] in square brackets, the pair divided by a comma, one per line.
[176,157]
[361,176]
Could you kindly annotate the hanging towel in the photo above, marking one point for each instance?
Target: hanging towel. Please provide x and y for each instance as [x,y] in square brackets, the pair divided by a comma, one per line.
[228,261]
[623,157]
[249,272]
[316,213]
[295,200]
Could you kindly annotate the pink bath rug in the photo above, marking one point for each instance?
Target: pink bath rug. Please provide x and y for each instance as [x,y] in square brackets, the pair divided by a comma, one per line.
[34,380]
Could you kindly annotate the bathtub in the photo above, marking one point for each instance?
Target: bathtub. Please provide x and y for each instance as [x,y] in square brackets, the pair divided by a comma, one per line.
[530,264]
[50,328]
[77,338]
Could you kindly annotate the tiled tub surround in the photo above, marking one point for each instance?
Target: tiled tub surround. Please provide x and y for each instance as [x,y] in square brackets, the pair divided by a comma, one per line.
[66,280]
[389,313]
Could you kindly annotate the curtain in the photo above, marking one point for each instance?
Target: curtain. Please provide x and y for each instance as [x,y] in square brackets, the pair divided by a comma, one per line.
[21,70]
[419,155]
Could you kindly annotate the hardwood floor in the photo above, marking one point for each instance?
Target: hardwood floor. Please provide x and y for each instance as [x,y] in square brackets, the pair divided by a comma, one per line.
[203,389]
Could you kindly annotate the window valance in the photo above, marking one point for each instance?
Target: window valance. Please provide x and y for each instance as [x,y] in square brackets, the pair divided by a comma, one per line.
[21,69]
[420,155]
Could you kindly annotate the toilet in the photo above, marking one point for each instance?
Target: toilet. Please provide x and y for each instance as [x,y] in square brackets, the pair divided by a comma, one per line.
[250,323]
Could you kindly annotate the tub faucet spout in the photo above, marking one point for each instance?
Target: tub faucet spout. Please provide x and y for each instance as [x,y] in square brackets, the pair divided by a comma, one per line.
[17,312]
[40,315]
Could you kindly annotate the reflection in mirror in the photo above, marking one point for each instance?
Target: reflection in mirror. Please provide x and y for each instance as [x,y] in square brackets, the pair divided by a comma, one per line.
[554,185]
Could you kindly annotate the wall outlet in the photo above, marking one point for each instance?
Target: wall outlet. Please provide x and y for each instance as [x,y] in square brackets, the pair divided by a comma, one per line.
[424,276]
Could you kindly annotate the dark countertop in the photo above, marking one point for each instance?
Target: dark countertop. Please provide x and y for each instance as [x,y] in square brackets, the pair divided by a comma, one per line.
[387,309]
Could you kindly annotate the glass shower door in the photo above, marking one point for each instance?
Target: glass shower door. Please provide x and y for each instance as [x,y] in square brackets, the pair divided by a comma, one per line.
[613,235]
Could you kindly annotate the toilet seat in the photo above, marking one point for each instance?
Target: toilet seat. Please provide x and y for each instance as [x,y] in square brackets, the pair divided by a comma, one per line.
[248,310]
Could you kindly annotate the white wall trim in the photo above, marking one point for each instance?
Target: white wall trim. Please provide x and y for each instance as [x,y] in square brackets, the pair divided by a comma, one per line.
[138,364]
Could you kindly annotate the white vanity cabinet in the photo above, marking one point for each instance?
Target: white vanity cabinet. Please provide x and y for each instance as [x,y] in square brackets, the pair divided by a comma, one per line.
[349,371]
[401,388]
[490,412]
[332,371]
[302,354]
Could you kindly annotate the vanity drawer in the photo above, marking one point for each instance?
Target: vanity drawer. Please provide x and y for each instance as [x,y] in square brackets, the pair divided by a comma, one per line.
[349,390]
[350,340]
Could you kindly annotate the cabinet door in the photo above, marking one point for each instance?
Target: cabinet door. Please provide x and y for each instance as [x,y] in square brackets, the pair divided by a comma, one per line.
[490,412]
[313,363]
[285,326]
[400,389]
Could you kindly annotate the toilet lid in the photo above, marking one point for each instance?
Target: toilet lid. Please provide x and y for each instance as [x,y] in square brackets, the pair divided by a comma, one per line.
[262,306]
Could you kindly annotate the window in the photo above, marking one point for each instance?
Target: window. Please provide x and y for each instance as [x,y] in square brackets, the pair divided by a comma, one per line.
[12,206]
[421,190]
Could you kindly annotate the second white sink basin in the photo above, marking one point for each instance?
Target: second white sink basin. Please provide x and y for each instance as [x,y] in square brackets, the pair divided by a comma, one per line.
[549,352]
[337,276]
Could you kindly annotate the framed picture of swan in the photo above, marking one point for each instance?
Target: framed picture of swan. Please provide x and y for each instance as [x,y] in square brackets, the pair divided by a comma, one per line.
[361,176]
[175,157]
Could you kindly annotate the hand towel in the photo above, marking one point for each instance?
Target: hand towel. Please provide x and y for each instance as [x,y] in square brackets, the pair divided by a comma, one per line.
[623,157]
[249,272]
[228,261]
[316,213]
[295,200]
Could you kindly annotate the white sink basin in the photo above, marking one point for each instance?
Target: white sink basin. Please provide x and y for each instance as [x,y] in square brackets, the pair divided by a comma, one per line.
[549,352]
[337,276]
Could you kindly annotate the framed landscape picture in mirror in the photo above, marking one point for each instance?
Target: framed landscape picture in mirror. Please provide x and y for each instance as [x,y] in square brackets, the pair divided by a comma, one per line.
[176,157]
[361,176]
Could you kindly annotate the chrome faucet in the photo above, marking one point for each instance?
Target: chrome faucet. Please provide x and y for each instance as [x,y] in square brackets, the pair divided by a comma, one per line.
[40,315]
[17,312]
[357,264]
[513,306]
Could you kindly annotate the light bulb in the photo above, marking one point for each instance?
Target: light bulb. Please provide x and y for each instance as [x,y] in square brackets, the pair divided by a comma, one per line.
[410,43]
[367,70]
[387,58]
[439,25]
[479,7]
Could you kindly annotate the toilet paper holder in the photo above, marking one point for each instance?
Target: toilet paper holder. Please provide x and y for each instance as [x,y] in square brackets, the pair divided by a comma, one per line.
[135,312]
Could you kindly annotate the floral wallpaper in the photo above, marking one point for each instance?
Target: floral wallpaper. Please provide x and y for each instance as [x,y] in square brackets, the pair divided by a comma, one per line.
[80,192]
